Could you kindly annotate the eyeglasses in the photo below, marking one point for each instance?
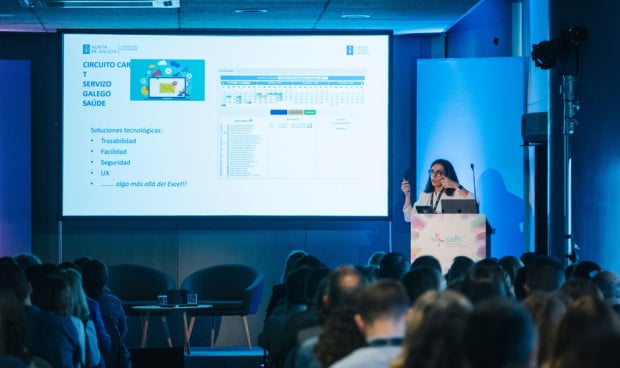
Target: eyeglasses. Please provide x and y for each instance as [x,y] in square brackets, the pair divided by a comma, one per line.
[437,173]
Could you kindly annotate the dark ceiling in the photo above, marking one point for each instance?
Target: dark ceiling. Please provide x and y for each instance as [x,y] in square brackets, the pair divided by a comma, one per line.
[400,16]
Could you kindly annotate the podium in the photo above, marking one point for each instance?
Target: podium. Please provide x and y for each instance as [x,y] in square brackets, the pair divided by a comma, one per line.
[446,236]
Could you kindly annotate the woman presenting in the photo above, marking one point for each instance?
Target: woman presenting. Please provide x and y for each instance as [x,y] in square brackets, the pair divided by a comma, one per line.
[442,184]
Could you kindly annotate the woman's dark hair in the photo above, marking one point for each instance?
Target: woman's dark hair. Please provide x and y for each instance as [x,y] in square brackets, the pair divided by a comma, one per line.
[341,335]
[13,331]
[94,278]
[450,174]
[53,294]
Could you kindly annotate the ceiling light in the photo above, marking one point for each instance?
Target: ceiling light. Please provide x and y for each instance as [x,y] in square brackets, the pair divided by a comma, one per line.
[102,4]
[355,16]
[243,11]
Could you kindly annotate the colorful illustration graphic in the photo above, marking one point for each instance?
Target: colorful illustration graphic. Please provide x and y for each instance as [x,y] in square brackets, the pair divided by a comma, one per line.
[167,79]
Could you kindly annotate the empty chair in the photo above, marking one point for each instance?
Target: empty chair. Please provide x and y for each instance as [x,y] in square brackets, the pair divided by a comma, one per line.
[232,290]
[138,285]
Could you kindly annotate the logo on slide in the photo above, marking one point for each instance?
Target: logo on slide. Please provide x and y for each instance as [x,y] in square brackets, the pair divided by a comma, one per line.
[167,79]
[85,49]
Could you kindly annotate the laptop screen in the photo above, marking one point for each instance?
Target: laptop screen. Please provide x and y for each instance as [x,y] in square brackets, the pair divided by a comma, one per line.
[459,206]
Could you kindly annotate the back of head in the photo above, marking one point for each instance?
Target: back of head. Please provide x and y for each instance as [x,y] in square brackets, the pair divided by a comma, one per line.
[585,270]
[436,339]
[461,265]
[393,265]
[544,273]
[291,260]
[427,261]
[375,258]
[343,281]
[383,298]
[79,307]
[314,284]
[52,294]
[12,277]
[94,277]
[586,318]
[310,261]
[27,260]
[511,265]
[609,284]
[577,287]
[485,281]
[547,310]
[340,335]
[499,333]
[419,280]
[295,285]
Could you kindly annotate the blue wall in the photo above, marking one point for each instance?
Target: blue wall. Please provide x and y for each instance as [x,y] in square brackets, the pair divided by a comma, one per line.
[469,112]
[15,203]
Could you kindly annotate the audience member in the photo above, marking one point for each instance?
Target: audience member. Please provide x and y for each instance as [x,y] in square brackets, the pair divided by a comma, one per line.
[511,265]
[434,337]
[79,309]
[418,280]
[577,287]
[543,273]
[381,319]
[461,265]
[585,270]
[500,333]
[295,303]
[393,265]
[94,280]
[586,318]
[13,331]
[341,283]
[427,261]
[546,309]
[340,335]
[609,284]
[600,351]
[26,260]
[485,280]
[278,291]
[284,346]
[528,257]
[50,337]
[54,334]
[375,259]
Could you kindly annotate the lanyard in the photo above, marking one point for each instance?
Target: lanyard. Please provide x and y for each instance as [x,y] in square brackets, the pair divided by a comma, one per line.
[394,341]
[437,201]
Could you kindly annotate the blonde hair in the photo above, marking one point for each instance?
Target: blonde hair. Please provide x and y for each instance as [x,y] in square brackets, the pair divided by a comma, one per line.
[78,304]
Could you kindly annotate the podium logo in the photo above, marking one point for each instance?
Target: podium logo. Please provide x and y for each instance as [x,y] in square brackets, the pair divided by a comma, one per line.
[437,239]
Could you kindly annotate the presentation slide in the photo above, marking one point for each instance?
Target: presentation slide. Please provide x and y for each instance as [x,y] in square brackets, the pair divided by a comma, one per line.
[225,125]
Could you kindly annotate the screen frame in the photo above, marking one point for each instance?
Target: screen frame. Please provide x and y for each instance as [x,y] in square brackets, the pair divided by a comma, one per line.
[217,32]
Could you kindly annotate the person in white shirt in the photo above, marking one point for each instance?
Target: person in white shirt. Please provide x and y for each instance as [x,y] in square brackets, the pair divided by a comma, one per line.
[443,183]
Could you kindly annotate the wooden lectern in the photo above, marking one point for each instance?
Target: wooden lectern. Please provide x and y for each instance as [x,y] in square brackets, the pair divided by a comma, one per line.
[446,236]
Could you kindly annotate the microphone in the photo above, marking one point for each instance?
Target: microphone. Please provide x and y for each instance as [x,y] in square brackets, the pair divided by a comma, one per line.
[473,174]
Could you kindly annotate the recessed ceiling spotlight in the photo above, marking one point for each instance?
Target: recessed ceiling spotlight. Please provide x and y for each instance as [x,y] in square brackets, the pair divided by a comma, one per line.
[355,16]
[243,11]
